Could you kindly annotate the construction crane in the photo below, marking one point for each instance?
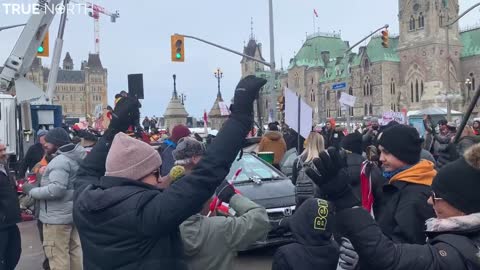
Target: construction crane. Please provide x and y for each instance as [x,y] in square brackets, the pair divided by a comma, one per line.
[95,14]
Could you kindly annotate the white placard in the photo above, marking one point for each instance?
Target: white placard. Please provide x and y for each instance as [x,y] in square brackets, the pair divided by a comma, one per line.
[291,113]
[224,111]
[388,117]
[347,99]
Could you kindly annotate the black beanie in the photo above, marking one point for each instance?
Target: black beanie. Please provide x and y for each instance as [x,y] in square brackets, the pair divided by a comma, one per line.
[403,142]
[353,142]
[58,137]
[458,182]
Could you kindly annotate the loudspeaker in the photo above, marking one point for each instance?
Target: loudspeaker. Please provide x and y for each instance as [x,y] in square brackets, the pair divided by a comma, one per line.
[135,85]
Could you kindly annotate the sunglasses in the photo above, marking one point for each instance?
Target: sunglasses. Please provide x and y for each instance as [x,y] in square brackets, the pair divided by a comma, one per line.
[434,197]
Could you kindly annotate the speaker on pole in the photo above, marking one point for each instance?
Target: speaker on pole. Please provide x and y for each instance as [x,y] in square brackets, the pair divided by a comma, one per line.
[135,85]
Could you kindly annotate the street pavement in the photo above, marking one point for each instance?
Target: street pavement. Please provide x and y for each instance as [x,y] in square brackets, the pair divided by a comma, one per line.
[32,253]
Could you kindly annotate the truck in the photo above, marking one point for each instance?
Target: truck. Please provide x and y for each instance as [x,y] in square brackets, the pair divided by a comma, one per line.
[24,107]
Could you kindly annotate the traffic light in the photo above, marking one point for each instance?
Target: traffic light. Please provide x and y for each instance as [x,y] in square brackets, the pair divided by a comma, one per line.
[43,50]
[385,38]
[178,48]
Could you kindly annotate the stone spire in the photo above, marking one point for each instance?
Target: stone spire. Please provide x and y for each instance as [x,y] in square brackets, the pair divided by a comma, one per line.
[68,62]
[175,112]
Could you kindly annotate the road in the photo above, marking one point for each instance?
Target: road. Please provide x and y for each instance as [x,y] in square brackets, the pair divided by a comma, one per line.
[32,254]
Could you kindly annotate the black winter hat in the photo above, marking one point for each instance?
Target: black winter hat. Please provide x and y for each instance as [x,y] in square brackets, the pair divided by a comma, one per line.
[403,142]
[353,142]
[458,182]
[58,137]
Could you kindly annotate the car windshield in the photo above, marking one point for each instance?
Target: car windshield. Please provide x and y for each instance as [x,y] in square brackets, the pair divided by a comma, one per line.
[252,169]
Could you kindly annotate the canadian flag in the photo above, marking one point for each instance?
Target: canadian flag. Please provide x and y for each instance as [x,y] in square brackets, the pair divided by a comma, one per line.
[315,12]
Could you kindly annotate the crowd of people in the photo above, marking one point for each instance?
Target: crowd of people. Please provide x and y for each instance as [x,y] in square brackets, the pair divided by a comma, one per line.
[382,197]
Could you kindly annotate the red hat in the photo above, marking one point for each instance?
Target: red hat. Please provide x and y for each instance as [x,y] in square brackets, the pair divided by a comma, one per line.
[178,132]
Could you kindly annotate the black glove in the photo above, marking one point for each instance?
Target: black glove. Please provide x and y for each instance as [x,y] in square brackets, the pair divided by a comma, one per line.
[125,114]
[225,192]
[331,176]
[246,92]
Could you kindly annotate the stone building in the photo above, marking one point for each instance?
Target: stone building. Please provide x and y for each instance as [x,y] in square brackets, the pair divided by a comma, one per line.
[416,71]
[215,117]
[79,92]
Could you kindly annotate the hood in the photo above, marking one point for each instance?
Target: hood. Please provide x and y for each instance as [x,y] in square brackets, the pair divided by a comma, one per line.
[72,151]
[274,135]
[109,192]
[311,224]
[269,194]
[422,173]
[192,237]
[454,224]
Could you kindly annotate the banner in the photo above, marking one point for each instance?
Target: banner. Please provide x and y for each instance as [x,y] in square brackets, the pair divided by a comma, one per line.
[291,113]
[388,117]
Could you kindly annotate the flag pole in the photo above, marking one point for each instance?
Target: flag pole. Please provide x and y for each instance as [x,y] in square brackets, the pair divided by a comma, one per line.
[313,16]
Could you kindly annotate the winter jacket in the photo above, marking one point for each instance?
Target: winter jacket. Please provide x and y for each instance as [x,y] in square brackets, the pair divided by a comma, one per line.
[354,163]
[212,242]
[56,188]
[333,138]
[32,157]
[313,247]
[124,224]
[305,188]
[454,151]
[273,141]
[403,208]
[447,248]
[9,206]
[166,153]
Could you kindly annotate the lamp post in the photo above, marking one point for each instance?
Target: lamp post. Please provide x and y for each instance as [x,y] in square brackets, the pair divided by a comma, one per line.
[468,84]
[183,97]
[219,75]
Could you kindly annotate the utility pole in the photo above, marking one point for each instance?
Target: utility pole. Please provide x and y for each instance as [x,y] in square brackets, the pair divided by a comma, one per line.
[273,98]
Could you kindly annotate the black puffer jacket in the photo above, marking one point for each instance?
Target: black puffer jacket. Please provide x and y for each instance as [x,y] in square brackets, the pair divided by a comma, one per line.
[9,207]
[124,224]
[444,250]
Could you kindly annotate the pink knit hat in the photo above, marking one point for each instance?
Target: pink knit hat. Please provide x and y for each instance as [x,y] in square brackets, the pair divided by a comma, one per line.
[130,158]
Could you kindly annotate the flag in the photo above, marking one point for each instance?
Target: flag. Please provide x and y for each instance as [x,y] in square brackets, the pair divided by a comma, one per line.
[315,12]
[205,118]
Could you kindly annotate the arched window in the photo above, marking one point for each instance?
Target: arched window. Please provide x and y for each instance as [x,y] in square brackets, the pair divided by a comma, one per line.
[312,96]
[411,92]
[421,21]
[417,94]
[392,87]
[421,88]
[370,88]
[350,91]
[412,23]
[366,109]
[364,89]
[371,109]
[339,94]
[366,65]
[328,95]
[297,81]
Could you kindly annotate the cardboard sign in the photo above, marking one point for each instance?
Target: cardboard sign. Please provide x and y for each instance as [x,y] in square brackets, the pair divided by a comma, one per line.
[347,99]
[388,117]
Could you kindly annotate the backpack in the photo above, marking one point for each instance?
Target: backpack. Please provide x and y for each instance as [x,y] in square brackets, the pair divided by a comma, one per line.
[304,186]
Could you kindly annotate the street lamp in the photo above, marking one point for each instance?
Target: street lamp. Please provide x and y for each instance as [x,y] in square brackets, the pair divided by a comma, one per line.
[11,26]
[468,84]
[183,97]
[219,75]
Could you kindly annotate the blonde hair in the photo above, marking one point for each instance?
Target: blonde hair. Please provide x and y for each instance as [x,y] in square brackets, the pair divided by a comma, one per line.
[468,131]
[314,146]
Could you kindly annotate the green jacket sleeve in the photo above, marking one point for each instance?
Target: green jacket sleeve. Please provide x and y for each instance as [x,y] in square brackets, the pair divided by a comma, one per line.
[250,225]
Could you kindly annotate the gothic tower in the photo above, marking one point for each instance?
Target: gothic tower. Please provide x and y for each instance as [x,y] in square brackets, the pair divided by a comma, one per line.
[252,49]
[68,62]
[424,54]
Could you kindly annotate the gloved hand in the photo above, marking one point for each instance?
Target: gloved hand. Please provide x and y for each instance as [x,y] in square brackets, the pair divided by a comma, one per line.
[225,192]
[283,226]
[246,92]
[331,176]
[27,187]
[125,114]
[348,255]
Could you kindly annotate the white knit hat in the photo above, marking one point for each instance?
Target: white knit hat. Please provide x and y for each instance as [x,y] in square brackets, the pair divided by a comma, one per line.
[130,158]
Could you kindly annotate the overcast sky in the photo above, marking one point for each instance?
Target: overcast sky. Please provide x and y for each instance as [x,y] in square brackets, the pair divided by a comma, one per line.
[139,42]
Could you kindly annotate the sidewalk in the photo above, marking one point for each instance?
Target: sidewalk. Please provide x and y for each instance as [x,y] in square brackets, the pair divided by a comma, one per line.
[32,252]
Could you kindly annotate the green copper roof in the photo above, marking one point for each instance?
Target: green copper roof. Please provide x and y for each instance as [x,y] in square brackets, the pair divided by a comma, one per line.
[310,54]
[471,42]
[377,53]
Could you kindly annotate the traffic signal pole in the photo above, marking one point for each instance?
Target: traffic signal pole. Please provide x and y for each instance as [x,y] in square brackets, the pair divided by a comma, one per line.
[57,53]
[273,98]
[345,70]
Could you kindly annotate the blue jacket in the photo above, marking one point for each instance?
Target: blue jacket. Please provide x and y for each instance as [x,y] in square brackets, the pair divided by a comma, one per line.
[166,152]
